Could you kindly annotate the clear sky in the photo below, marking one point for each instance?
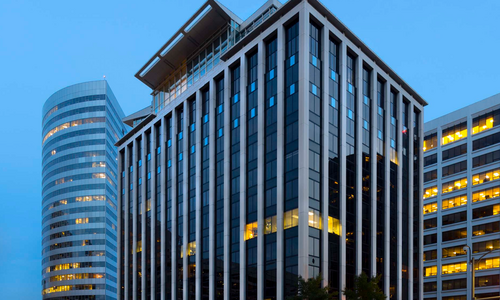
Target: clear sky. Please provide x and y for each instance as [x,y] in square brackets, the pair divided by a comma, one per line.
[448,51]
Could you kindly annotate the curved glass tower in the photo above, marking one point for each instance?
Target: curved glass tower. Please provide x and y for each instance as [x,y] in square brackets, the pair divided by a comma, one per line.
[80,125]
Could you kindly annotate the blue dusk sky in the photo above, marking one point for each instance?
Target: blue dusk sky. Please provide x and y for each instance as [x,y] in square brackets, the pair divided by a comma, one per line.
[448,51]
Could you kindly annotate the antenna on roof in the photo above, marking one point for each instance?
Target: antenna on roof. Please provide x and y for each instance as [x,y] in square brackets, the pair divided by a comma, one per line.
[104,77]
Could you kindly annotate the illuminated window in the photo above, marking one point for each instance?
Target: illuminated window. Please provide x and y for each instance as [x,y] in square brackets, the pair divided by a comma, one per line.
[486,176]
[453,251]
[315,219]
[191,248]
[454,133]
[53,152]
[430,142]
[484,122]
[270,225]
[82,220]
[71,124]
[100,164]
[99,175]
[488,263]
[250,231]
[454,202]
[334,226]
[430,192]
[454,268]
[139,247]
[291,218]
[430,271]
[191,270]
[486,246]
[455,185]
[486,194]
[430,208]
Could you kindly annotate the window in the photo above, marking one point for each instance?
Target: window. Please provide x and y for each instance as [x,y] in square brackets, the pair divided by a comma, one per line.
[430,287]
[430,223]
[430,208]
[430,160]
[430,239]
[431,175]
[486,141]
[430,271]
[486,159]
[454,185]
[454,268]
[487,263]
[454,168]
[81,221]
[250,231]
[454,152]
[191,248]
[430,255]
[486,194]
[72,124]
[454,202]
[486,176]
[270,225]
[454,133]
[334,226]
[454,218]
[453,251]
[291,218]
[486,121]
[315,219]
[454,284]
[430,142]
[430,192]
[486,246]
[454,234]
[490,280]
[486,211]
[486,229]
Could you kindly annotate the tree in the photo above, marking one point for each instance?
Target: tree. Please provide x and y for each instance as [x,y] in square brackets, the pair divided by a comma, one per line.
[365,289]
[311,290]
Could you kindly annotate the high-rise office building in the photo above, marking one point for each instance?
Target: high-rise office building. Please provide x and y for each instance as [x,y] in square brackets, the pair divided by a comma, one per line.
[276,147]
[461,202]
[81,123]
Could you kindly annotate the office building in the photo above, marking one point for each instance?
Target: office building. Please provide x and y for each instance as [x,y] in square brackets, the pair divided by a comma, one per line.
[461,202]
[81,123]
[275,147]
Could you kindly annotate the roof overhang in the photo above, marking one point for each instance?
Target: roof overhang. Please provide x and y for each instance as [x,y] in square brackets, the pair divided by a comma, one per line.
[198,30]
[129,120]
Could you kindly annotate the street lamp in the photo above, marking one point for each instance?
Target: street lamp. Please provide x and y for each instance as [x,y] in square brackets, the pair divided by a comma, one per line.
[472,261]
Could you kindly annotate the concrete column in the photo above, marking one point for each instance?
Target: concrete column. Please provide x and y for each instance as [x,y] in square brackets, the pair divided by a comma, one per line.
[185,202]
[175,161]
[119,237]
[260,166]
[134,221]
[421,188]
[143,216]
[303,125]
[127,254]
[373,163]
[410,134]
[154,200]
[342,144]
[439,211]
[399,134]
[198,194]
[243,173]
[325,135]
[387,137]
[163,215]
[211,191]
[358,119]
[280,54]
[227,181]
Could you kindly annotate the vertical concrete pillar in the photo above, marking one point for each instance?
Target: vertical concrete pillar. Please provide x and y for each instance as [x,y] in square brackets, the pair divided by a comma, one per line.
[134,222]
[399,134]
[142,209]
[198,194]
[387,137]
[175,161]
[227,181]
[211,190]
[243,172]
[359,162]
[185,202]
[373,164]
[163,215]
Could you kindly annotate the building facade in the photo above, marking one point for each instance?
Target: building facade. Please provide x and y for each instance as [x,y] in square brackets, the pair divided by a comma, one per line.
[461,202]
[277,146]
[81,123]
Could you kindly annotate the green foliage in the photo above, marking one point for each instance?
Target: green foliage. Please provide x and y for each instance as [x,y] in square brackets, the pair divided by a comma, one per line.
[311,290]
[365,289]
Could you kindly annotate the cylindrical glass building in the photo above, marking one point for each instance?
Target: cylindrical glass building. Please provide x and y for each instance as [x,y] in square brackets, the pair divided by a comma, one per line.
[80,125]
